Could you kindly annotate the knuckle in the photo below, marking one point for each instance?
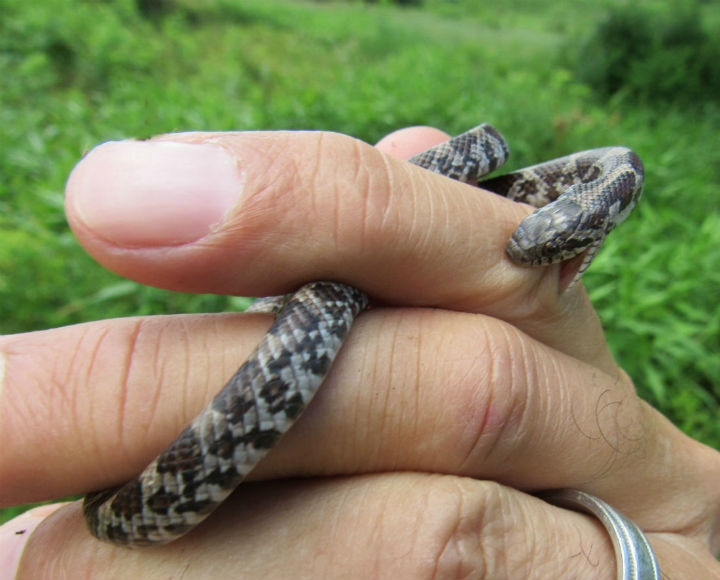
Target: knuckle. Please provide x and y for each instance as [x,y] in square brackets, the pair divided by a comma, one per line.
[426,527]
[461,530]
[351,187]
[444,526]
[334,192]
[506,399]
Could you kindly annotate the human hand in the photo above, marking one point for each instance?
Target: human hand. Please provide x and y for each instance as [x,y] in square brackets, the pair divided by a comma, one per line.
[416,457]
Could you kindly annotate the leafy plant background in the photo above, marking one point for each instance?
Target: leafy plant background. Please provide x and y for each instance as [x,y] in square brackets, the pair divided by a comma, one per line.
[554,77]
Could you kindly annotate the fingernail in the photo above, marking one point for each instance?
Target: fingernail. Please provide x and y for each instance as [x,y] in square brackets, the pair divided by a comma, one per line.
[14,535]
[153,193]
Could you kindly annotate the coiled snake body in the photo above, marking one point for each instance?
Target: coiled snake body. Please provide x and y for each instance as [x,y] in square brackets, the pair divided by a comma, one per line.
[582,197]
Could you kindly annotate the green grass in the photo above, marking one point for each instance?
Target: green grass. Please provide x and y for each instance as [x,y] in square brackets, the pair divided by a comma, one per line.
[76,74]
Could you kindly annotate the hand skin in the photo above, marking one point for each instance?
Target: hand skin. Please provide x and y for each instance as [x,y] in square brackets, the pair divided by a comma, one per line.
[476,382]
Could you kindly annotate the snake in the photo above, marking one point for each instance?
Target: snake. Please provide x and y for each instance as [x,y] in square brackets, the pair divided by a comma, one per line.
[579,198]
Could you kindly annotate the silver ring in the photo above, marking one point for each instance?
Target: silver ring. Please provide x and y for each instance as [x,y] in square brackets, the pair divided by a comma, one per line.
[633,553]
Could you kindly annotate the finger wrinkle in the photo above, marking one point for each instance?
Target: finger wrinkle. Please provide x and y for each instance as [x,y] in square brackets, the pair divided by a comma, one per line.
[413,354]
[414,372]
[158,367]
[389,426]
[423,538]
[399,209]
[490,529]
[124,386]
[426,507]
[349,165]
[433,232]
[488,422]
[376,415]
[148,363]
[371,190]
[88,363]
[419,369]
[189,403]
[335,522]
[525,371]
[364,181]
[457,555]
[436,234]
[508,395]
[318,190]
[3,364]
[466,252]
[380,200]
[422,225]
[368,525]
[482,393]
[405,381]
[501,522]
[145,333]
[45,402]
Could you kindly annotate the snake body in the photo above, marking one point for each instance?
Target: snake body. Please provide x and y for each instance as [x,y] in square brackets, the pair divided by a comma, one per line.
[582,197]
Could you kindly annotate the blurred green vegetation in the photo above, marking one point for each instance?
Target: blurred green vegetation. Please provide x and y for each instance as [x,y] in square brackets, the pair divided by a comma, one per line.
[654,55]
[551,75]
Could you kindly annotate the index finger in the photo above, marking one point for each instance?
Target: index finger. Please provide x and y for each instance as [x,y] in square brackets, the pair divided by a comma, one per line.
[262,213]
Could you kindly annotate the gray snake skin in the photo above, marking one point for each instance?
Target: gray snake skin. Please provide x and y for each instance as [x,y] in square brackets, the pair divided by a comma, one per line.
[582,197]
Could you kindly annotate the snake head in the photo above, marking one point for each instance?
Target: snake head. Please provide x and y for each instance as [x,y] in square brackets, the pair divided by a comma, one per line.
[554,233]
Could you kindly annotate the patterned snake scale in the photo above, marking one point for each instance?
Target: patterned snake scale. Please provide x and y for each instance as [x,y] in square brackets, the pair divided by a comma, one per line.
[582,197]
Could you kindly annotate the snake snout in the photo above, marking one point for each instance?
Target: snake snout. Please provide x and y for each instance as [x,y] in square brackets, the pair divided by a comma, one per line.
[549,235]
